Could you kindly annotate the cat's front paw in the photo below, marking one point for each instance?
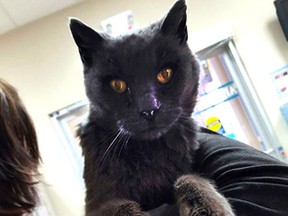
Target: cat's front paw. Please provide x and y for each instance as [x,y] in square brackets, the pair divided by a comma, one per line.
[117,207]
[197,197]
[130,209]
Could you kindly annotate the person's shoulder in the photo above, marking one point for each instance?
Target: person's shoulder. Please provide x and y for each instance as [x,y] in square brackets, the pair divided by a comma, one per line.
[217,151]
[211,141]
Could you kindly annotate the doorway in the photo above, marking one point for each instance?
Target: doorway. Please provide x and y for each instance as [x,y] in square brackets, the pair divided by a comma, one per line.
[227,101]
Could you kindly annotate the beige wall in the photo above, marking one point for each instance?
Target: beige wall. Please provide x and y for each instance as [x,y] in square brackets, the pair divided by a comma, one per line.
[41,60]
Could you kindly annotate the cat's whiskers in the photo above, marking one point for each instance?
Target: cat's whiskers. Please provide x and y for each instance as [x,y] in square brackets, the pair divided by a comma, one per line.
[118,144]
[185,118]
[109,147]
[105,139]
[121,127]
[124,144]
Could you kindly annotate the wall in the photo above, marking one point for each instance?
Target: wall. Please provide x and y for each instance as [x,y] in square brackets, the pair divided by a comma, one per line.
[41,60]
[259,40]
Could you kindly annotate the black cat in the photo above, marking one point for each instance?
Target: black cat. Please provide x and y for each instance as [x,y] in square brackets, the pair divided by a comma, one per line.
[139,138]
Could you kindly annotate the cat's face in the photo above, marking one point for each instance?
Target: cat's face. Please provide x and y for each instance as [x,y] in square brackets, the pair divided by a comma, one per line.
[142,83]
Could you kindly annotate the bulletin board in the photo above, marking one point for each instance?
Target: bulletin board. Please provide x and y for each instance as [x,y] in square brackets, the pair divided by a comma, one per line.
[280,80]
[119,24]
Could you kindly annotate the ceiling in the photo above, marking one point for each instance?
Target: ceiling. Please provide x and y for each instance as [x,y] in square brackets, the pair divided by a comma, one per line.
[15,13]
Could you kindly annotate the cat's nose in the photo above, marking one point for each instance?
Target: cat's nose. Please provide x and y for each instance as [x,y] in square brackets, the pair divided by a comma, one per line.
[149,114]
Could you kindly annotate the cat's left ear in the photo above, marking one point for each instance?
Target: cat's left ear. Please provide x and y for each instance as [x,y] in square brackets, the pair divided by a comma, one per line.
[86,39]
[175,21]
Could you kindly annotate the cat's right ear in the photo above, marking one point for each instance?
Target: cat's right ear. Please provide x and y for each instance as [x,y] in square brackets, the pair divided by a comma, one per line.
[175,22]
[86,39]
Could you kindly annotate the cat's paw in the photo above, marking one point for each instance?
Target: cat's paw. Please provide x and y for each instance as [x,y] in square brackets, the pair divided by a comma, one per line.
[197,197]
[130,209]
[117,207]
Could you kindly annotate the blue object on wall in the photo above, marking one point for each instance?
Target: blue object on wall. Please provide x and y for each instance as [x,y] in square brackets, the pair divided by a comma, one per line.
[284,111]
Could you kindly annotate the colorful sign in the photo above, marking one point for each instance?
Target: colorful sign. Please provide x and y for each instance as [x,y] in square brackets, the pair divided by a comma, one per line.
[214,124]
[280,80]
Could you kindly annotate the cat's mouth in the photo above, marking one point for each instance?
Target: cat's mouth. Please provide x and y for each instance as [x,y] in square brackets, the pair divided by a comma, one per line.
[153,132]
[147,131]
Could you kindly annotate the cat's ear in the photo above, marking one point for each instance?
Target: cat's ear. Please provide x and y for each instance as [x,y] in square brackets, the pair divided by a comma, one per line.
[86,39]
[175,21]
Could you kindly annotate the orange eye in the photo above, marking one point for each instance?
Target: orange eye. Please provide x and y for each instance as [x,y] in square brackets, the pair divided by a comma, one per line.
[118,86]
[164,75]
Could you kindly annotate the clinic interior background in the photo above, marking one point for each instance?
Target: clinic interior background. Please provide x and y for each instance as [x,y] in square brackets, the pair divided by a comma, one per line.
[42,61]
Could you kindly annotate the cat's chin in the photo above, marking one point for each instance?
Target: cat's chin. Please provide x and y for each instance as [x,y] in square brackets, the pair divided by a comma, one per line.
[151,134]
[147,131]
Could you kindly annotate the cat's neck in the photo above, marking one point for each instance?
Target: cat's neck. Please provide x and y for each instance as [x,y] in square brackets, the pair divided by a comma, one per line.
[180,140]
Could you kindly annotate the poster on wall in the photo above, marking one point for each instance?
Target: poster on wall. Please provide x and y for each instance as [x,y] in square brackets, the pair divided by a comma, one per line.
[280,80]
[119,24]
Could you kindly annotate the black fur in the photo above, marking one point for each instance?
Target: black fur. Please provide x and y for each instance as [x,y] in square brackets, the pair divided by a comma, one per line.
[128,156]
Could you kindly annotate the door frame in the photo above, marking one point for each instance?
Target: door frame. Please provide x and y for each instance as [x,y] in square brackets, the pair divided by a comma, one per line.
[248,95]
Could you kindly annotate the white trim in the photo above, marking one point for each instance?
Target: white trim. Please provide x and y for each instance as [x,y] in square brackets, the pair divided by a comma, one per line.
[258,114]
[64,134]
[200,40]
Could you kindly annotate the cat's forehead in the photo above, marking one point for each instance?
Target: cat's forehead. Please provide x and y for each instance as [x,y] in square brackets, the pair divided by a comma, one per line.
[143,47]
[143,52]
[133,51]
[133,43]
[139,39]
